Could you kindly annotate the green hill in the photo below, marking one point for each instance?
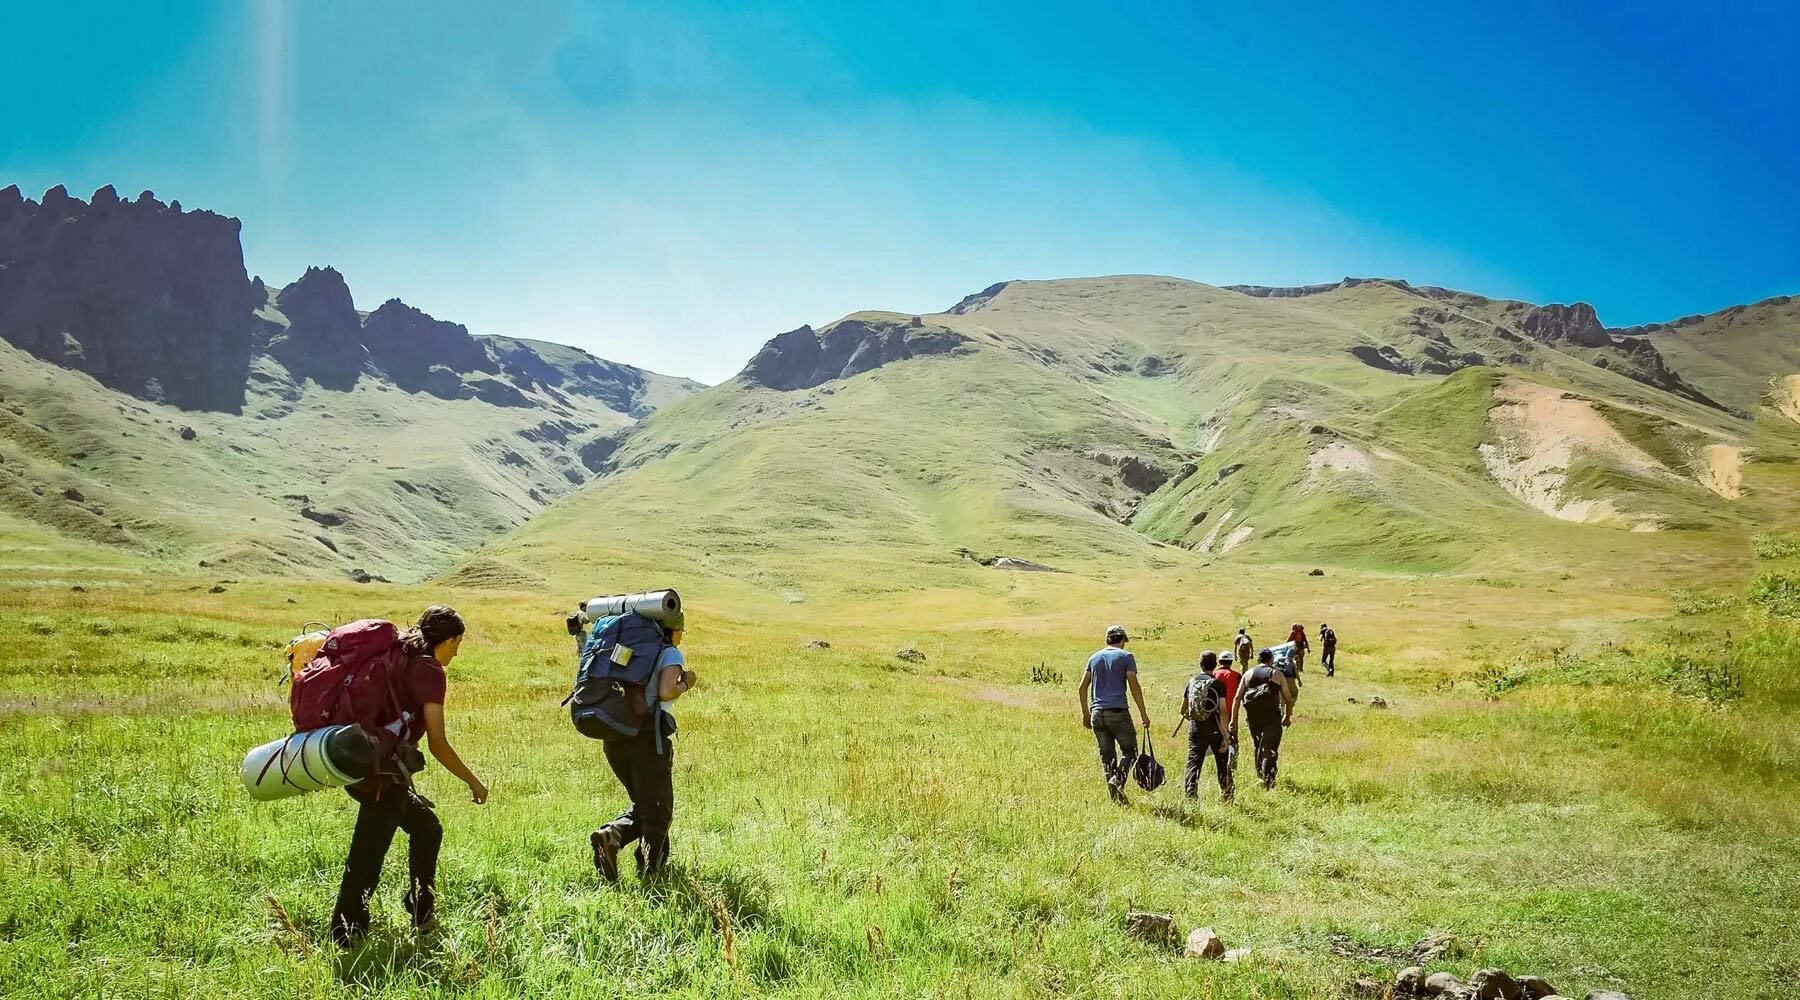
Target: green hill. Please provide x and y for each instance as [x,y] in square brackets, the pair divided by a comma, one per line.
[1106,425]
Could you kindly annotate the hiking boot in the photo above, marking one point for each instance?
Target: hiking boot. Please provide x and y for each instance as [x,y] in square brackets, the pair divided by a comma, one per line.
[426,927]
[605,842]
[1117,792]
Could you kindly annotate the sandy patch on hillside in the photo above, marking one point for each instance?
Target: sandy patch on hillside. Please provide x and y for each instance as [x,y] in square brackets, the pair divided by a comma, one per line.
[1540,433]
[1787,396]
[1724,470]
[1338,456]
[1209,437]
[1206,544]
[1236,538]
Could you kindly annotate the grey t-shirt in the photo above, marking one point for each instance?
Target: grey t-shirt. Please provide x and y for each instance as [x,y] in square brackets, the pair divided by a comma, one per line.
[1109,668]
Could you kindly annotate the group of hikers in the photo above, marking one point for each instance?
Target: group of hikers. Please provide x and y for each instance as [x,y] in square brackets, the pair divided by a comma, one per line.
[388,801]
[1258,686]
[1229,685]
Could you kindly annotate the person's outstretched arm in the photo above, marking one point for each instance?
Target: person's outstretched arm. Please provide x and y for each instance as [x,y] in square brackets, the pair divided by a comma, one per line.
[1137,693]
[447,755]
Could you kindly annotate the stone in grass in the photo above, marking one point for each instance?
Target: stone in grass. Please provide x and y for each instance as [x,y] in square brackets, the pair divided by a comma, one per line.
[1607,995]
[1536,988]
[818,644]
[187,433]
[1365,988]
[1495,984]
[1203,943]
[1377,702]
[1409,980]
[1237,954]
[1156,928]
[1316,572]
[216,589]
[910,655]
[1443,984]
[1433,945]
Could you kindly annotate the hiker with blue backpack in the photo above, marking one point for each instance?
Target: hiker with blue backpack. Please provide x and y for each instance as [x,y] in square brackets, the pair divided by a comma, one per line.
[631,669]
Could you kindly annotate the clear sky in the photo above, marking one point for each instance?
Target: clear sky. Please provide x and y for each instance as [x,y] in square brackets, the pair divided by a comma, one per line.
[670,184]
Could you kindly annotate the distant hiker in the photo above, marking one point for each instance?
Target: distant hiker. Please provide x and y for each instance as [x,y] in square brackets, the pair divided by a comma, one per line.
[1108,675]
[1205,706]
[1328,645]
[388,799]
[1297,636]
[1243,648]
[645,765]
[1266,702]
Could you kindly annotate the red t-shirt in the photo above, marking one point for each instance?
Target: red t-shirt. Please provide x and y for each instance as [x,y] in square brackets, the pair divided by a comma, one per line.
[1229,678]
[421,682]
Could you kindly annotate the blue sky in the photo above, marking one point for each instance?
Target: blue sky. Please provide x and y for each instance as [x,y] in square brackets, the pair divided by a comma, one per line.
[670,184]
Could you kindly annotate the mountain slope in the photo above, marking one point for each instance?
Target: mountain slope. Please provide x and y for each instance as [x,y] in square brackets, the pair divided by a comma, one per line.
[156,401]
[1097,425]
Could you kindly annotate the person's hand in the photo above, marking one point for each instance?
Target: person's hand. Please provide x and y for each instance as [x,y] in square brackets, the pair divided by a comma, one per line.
[1146,719]
[1286,721]
[1086,721]
[689,679]
[477,791]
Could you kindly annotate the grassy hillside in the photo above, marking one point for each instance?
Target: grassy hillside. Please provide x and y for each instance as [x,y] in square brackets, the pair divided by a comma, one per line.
[1269,438]
[306,481]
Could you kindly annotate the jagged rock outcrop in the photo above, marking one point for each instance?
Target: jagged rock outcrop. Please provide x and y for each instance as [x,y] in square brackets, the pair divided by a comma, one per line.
[145,297]
[567,369]
[323,338]
[1576,324]
[405,342]
[801,359]
[971,303]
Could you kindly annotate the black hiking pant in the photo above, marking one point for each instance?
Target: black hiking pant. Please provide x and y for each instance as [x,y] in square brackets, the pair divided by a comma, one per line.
[1204,738]
[649,781]
[398,807]
[1265,736]
[1328,659]
[1117,740]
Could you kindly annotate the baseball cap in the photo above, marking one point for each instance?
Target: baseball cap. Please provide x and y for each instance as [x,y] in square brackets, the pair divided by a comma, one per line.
[1227,658]
[1116,633]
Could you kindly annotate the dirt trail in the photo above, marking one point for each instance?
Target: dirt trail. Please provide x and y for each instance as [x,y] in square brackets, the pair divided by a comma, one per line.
[1724,471]
[1236,538]
[1541,432]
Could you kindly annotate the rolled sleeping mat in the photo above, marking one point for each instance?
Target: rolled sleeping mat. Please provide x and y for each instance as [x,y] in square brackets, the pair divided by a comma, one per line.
[329,757]
[663,606]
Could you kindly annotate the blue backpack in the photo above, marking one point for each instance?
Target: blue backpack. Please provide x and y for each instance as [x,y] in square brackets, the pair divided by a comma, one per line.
[612,698]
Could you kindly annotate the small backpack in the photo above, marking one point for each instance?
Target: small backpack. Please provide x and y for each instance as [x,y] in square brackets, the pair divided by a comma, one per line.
[351,682]
[1147,772]
[1205,697]
[609,700]
[1328,636]
[1260,685]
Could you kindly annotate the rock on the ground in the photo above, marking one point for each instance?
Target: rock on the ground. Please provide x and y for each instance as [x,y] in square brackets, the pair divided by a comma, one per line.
[1157,928]
[1607,995]
[1237,954]
[818,644]
[1316,572]
[910,655]
[1409,980]
[1442,983]
[1536,988]
[1378,702]
[1203,943]
[1432,945]
[1495,984]
[187,433]
[1365,987]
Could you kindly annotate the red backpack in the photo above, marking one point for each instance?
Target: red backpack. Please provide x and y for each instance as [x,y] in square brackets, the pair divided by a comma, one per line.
[351,682]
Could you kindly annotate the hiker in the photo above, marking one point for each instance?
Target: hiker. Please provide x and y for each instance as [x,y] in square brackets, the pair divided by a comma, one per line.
[1243,648]
[388,801]
[645,766]
[1297,636]
[1266,701]
[1229,675]
[1204,707]
[1328,647]
[1109,673]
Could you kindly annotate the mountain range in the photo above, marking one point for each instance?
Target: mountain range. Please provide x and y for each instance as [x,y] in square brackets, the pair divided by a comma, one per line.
[163,405]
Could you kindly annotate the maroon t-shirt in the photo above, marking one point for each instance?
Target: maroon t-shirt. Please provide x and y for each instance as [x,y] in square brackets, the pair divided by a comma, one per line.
[421,682]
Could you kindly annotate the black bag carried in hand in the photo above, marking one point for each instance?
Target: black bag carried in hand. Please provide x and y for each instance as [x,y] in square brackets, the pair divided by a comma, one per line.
[1147,772]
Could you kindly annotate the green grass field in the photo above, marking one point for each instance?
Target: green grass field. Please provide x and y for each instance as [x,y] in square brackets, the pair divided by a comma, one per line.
[1588,784]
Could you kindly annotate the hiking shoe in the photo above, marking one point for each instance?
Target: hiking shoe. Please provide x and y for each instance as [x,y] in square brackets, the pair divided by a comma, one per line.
[606,846]
[427,927]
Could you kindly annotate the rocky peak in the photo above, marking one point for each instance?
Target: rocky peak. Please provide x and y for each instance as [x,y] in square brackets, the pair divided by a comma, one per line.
[1576,324]
[323,338]
[802,358]
[406,343]
[145,297]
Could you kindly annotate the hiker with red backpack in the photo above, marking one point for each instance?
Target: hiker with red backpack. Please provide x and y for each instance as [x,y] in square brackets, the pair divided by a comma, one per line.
[389,685]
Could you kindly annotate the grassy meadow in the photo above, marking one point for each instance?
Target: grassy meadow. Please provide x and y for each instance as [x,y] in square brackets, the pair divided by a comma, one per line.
[1595,783]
